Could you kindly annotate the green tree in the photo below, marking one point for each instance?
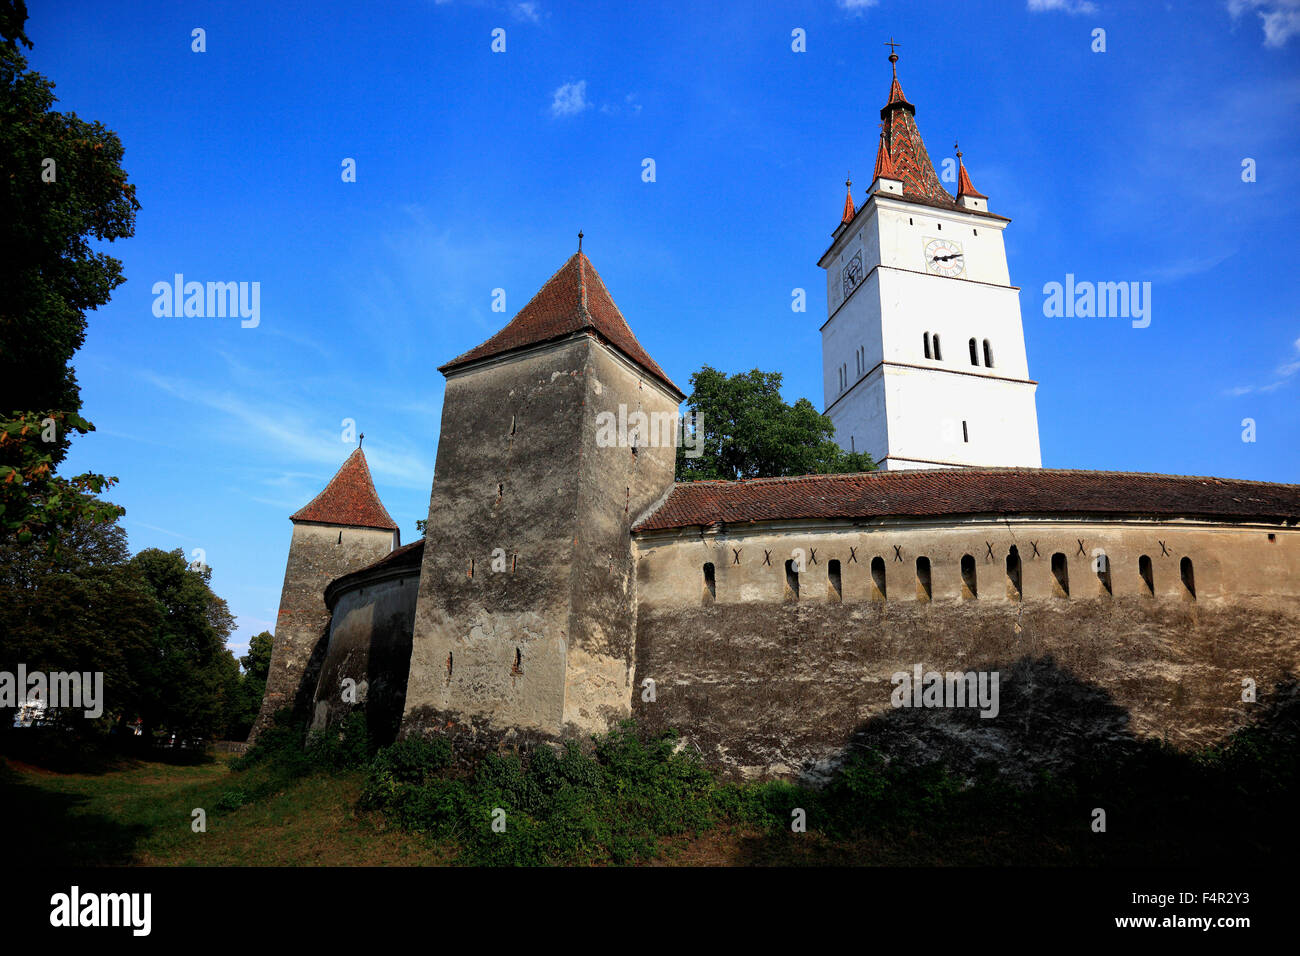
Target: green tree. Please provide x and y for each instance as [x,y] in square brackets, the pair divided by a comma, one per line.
[184,676]
[81,609]
[749,431]
[61,186]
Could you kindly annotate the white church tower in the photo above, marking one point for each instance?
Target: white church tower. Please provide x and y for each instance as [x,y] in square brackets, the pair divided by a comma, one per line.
[923,352]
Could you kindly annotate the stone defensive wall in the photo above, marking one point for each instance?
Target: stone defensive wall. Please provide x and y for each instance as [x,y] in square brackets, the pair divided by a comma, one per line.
[368,650]
[773,614]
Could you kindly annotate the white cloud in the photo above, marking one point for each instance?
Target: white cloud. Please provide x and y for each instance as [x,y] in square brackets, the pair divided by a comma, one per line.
[1284,373]
[1281,18]
[1064,6]
[570,99]
[527,11]
[856,6]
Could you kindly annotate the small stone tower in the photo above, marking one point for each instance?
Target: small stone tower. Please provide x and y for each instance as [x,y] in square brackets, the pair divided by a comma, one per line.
[343,528]
[525,620]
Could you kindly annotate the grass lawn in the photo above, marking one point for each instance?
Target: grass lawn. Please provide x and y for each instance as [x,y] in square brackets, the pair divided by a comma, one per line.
[140,812]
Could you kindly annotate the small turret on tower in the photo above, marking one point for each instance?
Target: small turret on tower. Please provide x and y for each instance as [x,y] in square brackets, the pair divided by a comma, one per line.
[968,197]
[342,529]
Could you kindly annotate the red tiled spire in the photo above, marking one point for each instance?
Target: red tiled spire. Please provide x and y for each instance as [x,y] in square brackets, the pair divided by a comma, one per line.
[884,165]
[906,149]
[349,499]
[573,300]
[848,200]
[964,188]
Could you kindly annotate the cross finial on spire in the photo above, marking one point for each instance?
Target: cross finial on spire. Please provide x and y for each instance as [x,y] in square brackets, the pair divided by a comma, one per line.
[957,148]
[579,240]
[893,56]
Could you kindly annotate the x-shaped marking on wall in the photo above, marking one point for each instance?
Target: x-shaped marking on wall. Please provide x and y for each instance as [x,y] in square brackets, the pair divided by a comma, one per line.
[1034,545]
[989,545]
[898,552]
[812,555]
[767,558]
[1080,551]
[853,555]
[1164,552]
[736,552]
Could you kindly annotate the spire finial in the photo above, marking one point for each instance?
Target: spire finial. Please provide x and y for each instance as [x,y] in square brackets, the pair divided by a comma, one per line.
[957,148]
[362,440]
[893,57]
[848,179]
[579,240]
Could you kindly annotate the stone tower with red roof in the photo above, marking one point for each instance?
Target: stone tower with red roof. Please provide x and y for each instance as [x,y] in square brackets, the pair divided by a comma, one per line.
[344,528]
[525,621]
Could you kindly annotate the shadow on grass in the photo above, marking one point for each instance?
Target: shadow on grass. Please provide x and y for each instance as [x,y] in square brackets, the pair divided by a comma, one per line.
[51,828]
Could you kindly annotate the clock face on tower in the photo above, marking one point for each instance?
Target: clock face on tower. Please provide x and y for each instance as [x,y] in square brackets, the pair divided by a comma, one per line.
[852,274]
[944,257]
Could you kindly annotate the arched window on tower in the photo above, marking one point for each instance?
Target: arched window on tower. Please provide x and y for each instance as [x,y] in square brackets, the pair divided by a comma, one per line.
[974,353]
[988,354]
[926,337]
[923,589]
[938,356]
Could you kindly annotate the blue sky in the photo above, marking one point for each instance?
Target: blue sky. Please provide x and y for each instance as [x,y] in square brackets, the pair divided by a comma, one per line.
[475,170]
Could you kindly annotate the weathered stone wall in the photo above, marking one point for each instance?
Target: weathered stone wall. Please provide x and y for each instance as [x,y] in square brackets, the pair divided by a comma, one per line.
[764,684]
[318,554]
[543,645]
[370,644]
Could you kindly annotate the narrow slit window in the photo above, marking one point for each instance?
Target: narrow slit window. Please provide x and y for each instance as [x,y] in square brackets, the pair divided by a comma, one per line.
[791,581]
[926,338]
[1144,572]
[471,568]
[938,355]
[1101,564]
[518,667]
[1014,589]
[710,584]
[878,592]
[923,589]
[1189,581]
[988,354]
[969,588]
[974,354]
[965,432]
[834,583]
[1060,575]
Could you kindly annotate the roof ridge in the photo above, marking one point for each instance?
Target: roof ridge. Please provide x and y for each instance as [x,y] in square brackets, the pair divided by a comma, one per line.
[900,474]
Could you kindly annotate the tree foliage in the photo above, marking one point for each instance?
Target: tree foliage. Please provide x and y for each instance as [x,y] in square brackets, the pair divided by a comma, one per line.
[62,188]
[150,623]
[749,431]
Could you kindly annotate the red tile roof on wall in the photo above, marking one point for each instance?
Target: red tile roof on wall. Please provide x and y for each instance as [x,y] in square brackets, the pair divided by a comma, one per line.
[573,300]
[970,491]
[349,499]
